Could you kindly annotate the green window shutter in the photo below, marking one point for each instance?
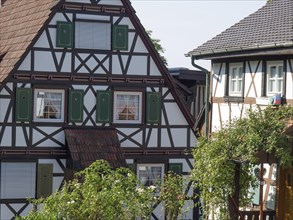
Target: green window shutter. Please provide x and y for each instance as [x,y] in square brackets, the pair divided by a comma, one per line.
[23,105]
[153,111]
[44,180]
[75,113]
[64,36]
[120,37]
[175,168]
[104,106]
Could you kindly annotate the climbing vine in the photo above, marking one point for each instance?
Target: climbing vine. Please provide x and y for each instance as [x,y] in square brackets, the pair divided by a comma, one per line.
[234,148]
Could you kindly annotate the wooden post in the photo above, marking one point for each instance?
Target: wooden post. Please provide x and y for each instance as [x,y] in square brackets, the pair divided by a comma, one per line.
[261,192]
[234,200]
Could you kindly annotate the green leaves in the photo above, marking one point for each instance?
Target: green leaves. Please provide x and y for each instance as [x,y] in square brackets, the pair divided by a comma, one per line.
[262,130]
[98,192]
[101,193]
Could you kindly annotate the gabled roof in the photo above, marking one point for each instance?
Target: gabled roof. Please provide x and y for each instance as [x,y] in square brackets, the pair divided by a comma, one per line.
[271,27]
[88,145]
[20,21]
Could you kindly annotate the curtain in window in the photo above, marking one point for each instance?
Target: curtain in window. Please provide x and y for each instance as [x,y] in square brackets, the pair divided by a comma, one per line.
[49,105]
[127,107]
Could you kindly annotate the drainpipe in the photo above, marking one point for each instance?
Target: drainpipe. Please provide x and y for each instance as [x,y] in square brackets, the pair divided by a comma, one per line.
[207,92]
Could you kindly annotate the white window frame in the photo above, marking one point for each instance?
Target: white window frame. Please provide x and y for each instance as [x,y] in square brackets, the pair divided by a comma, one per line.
[36,103]
[276,80]
[238,80]
[116,109]
[18,180]
[149,181]
[93,35]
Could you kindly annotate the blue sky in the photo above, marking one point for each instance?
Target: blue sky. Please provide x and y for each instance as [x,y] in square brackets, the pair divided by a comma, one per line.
[182,25]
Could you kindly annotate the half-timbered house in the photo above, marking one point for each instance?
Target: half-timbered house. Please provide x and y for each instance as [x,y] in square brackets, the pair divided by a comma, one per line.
[252,64]
[80,80]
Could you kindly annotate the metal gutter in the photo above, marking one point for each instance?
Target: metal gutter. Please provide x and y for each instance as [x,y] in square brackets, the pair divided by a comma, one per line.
[244,48]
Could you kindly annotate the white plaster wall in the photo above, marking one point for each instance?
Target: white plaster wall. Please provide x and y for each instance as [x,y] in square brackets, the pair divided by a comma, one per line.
[165,140]
[66,67]
[116,69]
[216,119]
[255,91]
[127,142]
[6,138]
[139,46]
[138,66]
[37,136]
[60,17]
[44,61]
[193,139]
[153,141]
[42,42]
[218,74]
[154,71]
[26,63]
[4,103]
[175,116]
[180,136]
[124,21]
[20,140]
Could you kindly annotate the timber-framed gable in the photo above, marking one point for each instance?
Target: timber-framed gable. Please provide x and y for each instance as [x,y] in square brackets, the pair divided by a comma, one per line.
[65,82]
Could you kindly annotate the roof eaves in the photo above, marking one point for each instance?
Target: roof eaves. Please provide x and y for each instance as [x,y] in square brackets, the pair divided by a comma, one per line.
[208,53]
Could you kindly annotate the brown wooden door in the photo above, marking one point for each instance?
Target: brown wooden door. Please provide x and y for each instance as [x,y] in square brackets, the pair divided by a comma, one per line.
[285,195]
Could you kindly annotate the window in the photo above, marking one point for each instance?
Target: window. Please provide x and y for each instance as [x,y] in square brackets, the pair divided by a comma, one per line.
[149,174]
[236,79]
[275,78]
[93,35]
[49,105]
[127,107]
[18,180]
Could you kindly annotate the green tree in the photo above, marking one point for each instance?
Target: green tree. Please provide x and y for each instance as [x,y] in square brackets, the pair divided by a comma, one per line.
[100,193]
[158,46]
[223,162]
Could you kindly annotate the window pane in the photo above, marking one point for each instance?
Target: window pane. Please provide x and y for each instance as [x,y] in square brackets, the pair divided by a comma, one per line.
[233,86]
[49,105]
[127,106]
[150,174]
[280,72]
[93,35]
[236,76]
[272,72]
[18,180]
[271,85]
[234,73]
[239,86]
